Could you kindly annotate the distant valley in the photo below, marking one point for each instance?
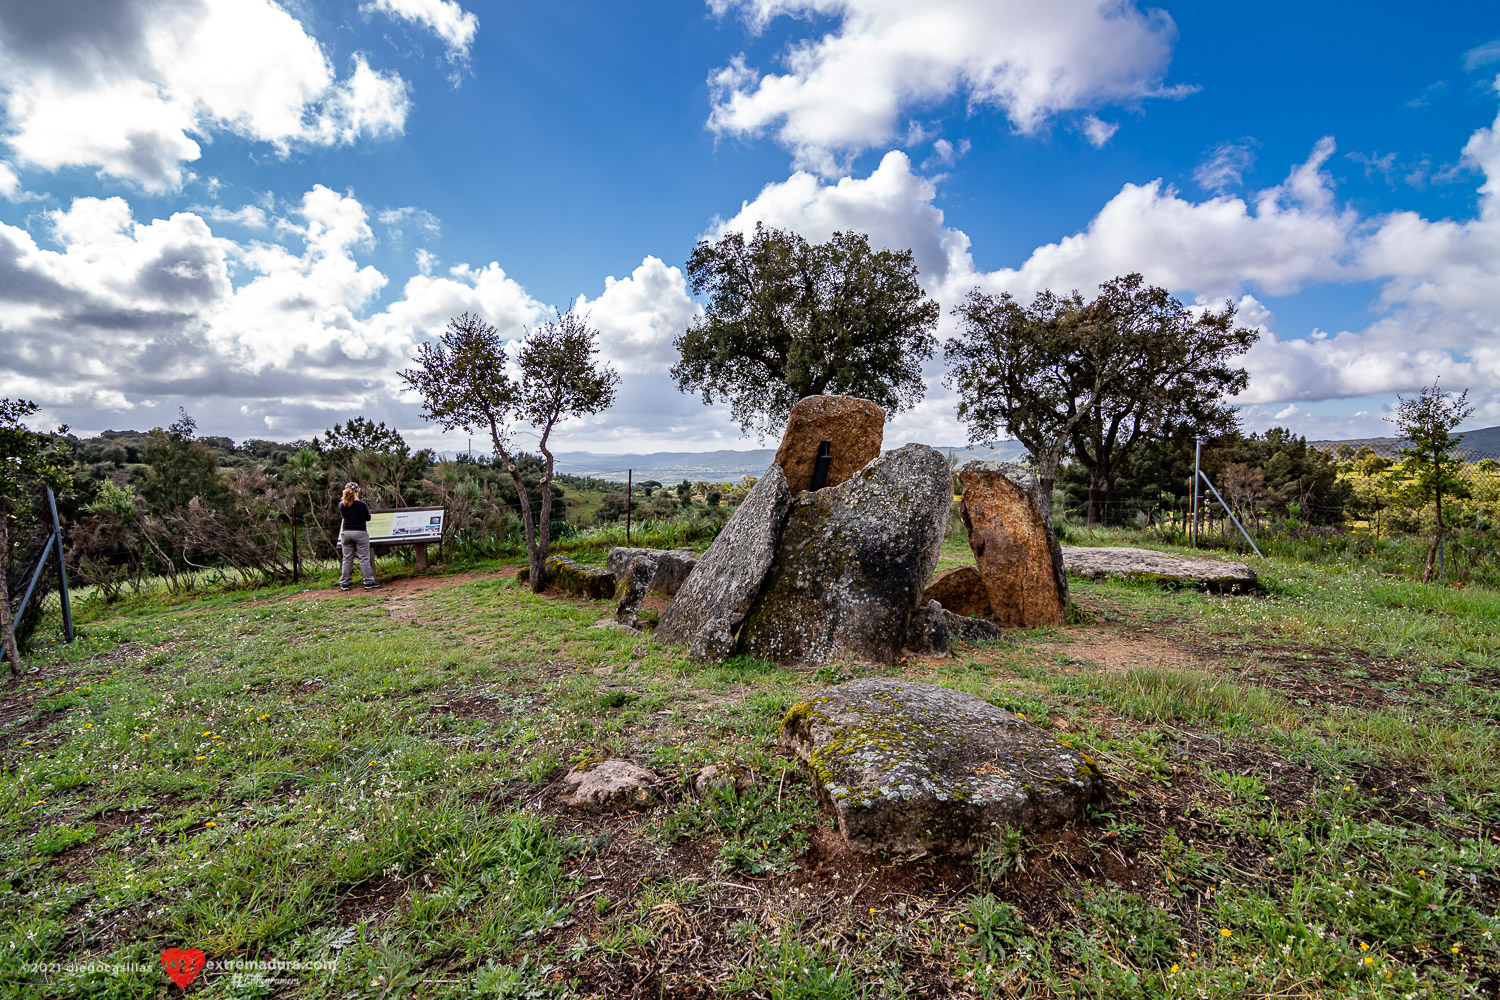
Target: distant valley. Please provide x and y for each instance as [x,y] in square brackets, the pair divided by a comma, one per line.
[723,466]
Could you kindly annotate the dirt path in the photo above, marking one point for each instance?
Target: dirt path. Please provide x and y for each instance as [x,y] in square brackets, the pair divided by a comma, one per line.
[406,587]
[1114,649]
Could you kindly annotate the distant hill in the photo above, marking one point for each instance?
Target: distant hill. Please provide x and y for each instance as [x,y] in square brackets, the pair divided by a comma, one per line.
[724,466]
[1481,443]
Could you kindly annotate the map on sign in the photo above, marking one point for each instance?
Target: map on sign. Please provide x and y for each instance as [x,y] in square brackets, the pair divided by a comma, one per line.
[414,524]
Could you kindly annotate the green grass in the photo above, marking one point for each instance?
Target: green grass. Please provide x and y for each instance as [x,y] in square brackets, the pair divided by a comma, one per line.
[359,787]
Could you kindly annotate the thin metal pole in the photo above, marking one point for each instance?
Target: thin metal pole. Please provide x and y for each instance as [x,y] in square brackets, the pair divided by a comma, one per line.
[62,567]
[1236,520]
[1197,471]
[629,490]
[296,563]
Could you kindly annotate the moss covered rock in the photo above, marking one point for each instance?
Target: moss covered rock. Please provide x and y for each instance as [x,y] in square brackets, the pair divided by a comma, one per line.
[850,564]
[574,577]
[910,767]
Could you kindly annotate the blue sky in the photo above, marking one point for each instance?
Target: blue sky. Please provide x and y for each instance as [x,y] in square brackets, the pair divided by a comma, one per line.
[258,210]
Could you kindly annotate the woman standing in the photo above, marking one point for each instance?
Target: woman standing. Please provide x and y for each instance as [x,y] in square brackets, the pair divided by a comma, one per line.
[354,538]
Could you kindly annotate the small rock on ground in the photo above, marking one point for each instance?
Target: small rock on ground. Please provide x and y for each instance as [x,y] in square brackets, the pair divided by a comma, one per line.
[608,785]
[713,776]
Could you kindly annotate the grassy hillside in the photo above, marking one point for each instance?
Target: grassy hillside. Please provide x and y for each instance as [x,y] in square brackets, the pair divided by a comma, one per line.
[1481,443]
[1304,787]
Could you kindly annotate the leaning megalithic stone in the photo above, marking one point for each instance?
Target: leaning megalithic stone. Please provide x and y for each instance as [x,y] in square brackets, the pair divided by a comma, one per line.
[1014,545]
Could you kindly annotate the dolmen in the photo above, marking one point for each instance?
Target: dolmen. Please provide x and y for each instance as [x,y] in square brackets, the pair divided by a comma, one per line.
[826,559]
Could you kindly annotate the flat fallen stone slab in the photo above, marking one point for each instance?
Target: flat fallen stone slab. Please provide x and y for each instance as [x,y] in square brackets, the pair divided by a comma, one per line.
[910,767]
[1219,575]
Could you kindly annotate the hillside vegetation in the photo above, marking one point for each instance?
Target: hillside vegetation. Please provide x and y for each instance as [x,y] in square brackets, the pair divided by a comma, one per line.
[1303,789]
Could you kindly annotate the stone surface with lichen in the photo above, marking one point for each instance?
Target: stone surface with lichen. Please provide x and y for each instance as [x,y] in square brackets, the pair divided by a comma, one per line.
[1015,549]
[728,577]
[908,767]
[1219,575]
[850,564]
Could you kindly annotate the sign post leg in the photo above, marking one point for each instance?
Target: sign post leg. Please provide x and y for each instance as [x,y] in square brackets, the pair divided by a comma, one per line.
[421,548]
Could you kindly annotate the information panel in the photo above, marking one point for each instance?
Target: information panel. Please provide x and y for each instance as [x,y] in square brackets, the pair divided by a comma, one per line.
[406,524]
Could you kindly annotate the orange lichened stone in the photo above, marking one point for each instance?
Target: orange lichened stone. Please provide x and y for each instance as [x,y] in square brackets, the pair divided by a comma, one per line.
[960,590]
[853,428]
[1016,552]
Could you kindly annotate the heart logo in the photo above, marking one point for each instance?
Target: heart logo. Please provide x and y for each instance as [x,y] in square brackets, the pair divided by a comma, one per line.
[183,965]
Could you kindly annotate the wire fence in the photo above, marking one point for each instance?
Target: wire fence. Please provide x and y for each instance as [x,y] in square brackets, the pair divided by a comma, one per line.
[1384,523]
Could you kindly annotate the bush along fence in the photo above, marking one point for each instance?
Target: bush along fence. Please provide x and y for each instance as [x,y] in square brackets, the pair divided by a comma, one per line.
[36,576]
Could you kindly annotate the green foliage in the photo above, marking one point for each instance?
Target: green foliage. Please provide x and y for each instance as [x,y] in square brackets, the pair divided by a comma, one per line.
[787,318]
[1094,379]
[1015,370]
[178,469]
[29,459]
[464,381]
[998,926]
[1427,422]
[763,828]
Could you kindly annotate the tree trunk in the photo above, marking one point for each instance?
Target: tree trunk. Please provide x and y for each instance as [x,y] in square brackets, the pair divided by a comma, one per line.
[1437,539]
[1098,494]
[12,654]
[544,525]
[1046,474]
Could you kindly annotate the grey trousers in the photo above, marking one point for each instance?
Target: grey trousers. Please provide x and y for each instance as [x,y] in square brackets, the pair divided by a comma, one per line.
[352,542]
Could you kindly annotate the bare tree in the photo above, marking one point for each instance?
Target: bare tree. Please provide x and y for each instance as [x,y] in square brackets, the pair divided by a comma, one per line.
[464,383]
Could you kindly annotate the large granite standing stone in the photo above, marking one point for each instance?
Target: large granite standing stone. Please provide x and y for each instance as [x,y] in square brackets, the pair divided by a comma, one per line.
[912,767]
[1219,575]
[960,590]
[850,564]
[1014,545]
[727,579]
[672,566]
[853,428]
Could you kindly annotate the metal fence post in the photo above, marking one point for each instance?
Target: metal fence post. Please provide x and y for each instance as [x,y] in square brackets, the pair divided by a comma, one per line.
[1197,470]
[62,567]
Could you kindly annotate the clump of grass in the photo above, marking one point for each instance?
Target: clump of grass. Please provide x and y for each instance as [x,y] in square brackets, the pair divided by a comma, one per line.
[1169,694]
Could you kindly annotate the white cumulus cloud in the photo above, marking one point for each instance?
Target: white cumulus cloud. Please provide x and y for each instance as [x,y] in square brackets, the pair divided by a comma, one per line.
[446,19]
[131,87]
[639,316]
[847,90]
[1436,311]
